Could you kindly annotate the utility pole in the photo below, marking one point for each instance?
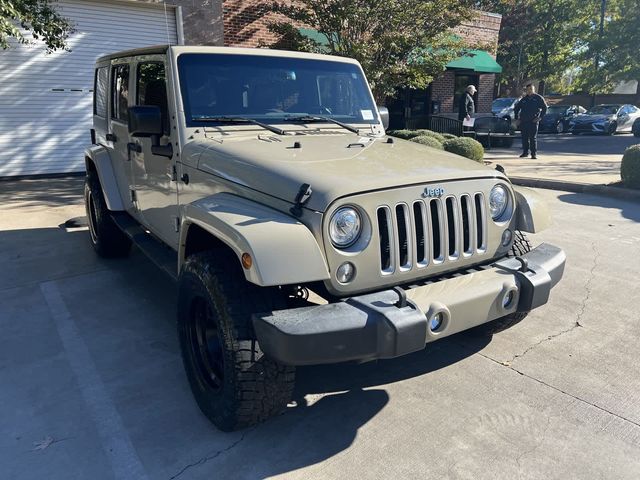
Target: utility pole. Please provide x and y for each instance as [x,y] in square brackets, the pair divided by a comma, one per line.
[603,9]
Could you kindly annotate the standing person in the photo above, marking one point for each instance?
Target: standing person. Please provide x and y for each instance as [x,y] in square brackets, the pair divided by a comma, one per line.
[529,111]
[466,105]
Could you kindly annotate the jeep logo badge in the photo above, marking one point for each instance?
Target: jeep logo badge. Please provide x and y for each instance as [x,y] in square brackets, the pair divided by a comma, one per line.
[433,192]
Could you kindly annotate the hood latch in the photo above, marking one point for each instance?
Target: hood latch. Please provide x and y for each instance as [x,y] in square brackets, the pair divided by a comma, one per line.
[303,196]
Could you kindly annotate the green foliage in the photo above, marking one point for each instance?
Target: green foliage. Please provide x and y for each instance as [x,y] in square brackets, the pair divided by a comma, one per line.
[39,17]
[383,35]
[540,39]
[429,141]
[404,134]
[432,134]
[448,136]
[466,147]
[630,168]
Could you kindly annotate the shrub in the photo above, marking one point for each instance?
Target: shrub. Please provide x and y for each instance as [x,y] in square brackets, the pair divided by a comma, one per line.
[405,134]
[432,134]
[467,147]
[448,136]
[630,168]
[429,141]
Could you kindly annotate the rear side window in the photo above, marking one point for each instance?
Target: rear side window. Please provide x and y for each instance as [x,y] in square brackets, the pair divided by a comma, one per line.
[151,88]
[120,93]
[100,92]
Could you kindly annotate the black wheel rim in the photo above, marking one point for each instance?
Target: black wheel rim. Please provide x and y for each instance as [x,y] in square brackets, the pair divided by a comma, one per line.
[91,211]
[206,344]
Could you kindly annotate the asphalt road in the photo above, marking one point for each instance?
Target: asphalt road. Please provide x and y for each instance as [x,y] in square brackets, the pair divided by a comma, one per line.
[93,387]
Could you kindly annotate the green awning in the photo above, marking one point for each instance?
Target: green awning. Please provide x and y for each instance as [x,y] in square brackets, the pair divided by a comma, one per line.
[478,61]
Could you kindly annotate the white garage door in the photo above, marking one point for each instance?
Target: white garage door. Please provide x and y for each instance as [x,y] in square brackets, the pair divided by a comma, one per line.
[46,100]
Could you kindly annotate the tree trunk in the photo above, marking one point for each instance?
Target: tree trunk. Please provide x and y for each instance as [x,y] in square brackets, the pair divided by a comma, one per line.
[542,84]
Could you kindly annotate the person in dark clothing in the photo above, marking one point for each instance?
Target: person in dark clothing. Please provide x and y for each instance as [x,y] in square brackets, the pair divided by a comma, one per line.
[529,111]
[466,105]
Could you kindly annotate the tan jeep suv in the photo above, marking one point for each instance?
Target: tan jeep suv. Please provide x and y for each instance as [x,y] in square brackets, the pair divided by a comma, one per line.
[298,232]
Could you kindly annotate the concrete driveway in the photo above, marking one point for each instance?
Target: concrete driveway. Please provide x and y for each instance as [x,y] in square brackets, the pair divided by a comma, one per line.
[591,159]
[93,387]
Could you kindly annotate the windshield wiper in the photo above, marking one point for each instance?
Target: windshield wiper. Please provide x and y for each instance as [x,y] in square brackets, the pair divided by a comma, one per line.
[320,118]
[223,119]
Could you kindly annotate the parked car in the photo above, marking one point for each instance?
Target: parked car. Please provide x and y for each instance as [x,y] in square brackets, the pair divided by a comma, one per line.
[636,128]
[557,118]
[606,119]
[255,177]
[503,108]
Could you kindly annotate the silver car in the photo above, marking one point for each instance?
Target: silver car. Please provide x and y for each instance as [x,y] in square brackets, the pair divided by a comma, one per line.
[606,119]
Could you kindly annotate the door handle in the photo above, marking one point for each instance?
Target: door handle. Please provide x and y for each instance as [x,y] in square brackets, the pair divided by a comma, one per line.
[133,146]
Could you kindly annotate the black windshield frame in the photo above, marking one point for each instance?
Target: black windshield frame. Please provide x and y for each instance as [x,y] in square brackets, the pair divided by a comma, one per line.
[202,100]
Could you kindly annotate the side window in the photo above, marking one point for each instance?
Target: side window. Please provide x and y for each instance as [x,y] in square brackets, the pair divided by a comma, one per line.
[120,93]
[100,89]
[151,89]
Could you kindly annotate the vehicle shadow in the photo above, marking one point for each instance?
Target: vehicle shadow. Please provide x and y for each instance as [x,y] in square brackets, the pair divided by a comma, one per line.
[332,404]
[628,209]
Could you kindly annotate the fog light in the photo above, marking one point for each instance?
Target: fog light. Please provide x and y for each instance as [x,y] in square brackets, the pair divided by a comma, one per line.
[507,300]
[507,236]
[436,322]
[346,272]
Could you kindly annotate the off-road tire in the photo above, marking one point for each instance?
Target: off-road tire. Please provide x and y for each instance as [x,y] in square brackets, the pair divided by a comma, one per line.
[107,239]
[521,245]
[233,382]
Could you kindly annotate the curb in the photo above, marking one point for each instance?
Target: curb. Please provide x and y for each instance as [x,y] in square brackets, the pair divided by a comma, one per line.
[606,190]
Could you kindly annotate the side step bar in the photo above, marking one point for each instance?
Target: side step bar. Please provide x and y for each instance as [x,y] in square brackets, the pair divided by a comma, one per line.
[164,257]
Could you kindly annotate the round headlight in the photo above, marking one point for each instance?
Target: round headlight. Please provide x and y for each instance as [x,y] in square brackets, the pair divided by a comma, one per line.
[498,201]
[345,227]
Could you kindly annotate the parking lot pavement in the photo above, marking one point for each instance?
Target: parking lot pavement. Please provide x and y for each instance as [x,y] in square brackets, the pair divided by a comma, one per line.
[93,387]
[591,159]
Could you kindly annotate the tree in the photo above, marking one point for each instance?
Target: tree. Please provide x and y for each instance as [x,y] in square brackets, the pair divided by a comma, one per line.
[540,39]
[616,49]
[399,43]
[39,17]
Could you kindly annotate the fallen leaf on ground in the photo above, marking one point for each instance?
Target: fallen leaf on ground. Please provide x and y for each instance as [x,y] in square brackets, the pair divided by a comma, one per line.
[42,444]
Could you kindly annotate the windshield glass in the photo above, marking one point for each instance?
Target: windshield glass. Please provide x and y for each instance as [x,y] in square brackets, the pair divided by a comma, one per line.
[603,110]
[270,89]
[556,110]
[502,103]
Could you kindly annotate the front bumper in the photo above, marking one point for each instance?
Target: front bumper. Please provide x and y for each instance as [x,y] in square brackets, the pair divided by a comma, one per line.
[392,323]
[589,127]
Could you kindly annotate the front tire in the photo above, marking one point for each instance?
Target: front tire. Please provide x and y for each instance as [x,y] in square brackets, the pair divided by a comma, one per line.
[233,382]
[560,128]
[106,238]
[612,129]
[521,246]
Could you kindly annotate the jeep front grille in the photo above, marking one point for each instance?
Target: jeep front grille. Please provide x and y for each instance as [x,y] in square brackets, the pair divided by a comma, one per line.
[431,232]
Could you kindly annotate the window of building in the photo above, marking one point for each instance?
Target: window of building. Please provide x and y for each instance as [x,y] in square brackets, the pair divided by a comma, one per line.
[101,82]
[120,93]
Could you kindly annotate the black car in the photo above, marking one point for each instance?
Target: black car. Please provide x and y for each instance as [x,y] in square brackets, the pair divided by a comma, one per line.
[607,119]
[557,118]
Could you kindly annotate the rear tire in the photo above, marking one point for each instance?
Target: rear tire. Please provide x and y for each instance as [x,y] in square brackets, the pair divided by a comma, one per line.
[612,129]
[521,246]
[233,382]
[560,128]
[107,239]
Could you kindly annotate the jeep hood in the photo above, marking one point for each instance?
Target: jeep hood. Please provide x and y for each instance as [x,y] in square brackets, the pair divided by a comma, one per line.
[335,165]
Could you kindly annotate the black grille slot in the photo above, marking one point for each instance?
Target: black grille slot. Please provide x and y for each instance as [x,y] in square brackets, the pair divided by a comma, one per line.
[420,232]
[403,246]
[466,225]
[385,245]
[479,223]
[451,226]
[435,225]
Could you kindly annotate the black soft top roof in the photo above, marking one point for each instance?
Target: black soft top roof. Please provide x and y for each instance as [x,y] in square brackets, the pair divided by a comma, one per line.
[136,51]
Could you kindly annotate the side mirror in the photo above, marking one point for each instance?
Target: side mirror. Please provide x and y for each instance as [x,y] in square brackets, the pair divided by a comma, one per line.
[145,121]
[384,116]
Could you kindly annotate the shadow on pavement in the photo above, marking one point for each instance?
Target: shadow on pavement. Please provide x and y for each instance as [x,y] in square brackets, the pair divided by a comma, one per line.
[628,210]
